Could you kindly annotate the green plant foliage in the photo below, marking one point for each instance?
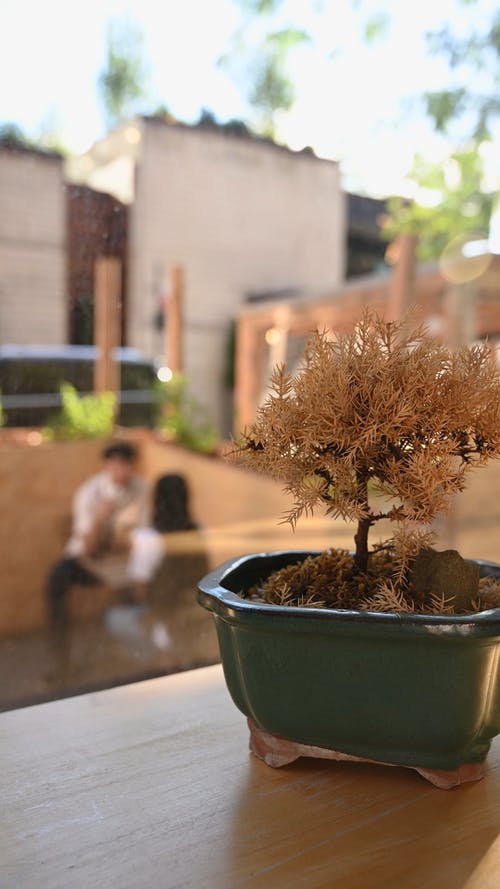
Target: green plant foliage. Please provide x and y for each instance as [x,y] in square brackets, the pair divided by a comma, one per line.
[285,39]
[261,6]
[459,205]
[181,417]
[2,415]
[83,416]
[444,105]
[121,82]
[162,111]
[262,69]
[12,136]
[29,375]
[463,207]
[475,61]
[376,27]
[272,89]
[48,139]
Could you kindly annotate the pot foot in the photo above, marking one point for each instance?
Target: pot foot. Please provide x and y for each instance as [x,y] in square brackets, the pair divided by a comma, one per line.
[277,752]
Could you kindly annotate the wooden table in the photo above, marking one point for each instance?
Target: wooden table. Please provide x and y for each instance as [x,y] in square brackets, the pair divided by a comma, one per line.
[151,786]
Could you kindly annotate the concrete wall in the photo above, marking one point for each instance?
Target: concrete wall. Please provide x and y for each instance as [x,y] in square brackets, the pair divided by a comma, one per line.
[32,248]
[241,216]
[36,486]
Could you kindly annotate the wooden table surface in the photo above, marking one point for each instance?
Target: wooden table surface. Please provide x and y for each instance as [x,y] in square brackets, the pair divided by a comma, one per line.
[151,785]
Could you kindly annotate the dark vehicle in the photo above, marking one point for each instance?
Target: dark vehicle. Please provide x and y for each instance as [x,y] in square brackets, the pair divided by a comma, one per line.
[31,377]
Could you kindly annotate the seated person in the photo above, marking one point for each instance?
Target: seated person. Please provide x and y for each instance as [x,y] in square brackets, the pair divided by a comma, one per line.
[178,619]
[175,547]
[154,549]
[110,540]
[171,505]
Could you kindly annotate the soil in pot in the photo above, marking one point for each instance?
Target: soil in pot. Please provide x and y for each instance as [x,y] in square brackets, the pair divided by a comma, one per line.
[332,580]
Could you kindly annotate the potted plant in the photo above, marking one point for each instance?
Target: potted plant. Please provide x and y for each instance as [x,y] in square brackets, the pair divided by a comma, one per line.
[389,653]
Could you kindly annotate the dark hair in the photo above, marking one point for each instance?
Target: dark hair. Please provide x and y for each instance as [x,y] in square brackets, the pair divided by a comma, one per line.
[124,450]
[171,504]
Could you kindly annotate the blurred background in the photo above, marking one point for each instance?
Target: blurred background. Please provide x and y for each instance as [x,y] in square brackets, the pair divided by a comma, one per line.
[187,191]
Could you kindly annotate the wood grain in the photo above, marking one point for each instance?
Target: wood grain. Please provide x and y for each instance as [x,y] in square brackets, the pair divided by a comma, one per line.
[152,785]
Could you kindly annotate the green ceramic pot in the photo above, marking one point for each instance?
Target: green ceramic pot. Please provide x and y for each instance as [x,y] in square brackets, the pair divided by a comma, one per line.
[416,690]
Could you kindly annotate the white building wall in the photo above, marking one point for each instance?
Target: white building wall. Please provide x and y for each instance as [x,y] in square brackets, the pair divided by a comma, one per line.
[32,249]
[241,216]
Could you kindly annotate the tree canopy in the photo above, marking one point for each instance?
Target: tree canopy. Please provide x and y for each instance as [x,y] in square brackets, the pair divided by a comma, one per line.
[381,409]
[475,66]
[450,202]
[380,423]
[263,72]
[122,81]
[451,196]
[461,202]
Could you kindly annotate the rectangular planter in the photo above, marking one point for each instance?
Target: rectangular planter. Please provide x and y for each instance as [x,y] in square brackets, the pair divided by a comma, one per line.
[415,690]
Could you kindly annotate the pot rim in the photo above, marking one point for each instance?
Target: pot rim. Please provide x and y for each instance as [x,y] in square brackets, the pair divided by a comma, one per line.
[218,598]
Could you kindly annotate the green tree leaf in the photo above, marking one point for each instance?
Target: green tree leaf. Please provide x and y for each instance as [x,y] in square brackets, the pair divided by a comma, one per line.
[377,26]
[443,106]
[122,80]
[83,416]
[460,206]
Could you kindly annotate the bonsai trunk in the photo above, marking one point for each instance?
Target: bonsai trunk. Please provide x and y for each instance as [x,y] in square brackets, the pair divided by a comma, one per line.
[361,536]
[361,541]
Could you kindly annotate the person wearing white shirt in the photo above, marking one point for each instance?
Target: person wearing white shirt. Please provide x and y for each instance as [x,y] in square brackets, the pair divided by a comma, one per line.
[111,539]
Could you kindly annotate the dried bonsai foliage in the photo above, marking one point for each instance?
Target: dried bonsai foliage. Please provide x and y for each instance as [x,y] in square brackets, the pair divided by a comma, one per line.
[328,581]
[309,583]
[382,410]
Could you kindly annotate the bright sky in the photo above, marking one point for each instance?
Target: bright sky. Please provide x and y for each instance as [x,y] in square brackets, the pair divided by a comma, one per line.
[349,107]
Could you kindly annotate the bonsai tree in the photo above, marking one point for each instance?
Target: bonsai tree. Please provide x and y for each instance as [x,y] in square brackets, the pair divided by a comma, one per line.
[381,423]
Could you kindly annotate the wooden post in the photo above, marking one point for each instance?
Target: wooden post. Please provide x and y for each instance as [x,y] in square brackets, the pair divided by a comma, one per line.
[402,286]
[461,314]
[245,374]
[460,303]
[107,323]
[278,345]
[173,319]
